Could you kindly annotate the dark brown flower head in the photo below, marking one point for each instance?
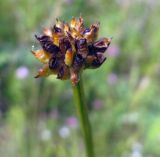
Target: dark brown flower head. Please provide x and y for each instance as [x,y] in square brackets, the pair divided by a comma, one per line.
[68,48]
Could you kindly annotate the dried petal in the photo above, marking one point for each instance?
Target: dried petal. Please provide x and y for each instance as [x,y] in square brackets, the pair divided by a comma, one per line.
[47,44]
[47,32]
[74,78]
[66,28]
[102,45]
[92,34]
[59,24]
[57,36]
[76,34]
[68,57]
[80,26]
[72,42]
[42,55]
[45,71]
[73,23]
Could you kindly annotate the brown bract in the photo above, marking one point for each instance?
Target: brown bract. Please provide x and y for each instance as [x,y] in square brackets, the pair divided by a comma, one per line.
[68,48]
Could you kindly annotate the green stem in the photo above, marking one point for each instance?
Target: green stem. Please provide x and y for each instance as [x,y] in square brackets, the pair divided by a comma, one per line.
[83,116]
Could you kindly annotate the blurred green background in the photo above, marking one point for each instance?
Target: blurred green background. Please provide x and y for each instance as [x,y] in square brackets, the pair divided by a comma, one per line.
[38,116]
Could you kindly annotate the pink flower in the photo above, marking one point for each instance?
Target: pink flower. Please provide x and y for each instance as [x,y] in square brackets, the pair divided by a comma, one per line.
[97,104]
[112,79]
[69,2]
[113,51]
[72,122]
[22,72]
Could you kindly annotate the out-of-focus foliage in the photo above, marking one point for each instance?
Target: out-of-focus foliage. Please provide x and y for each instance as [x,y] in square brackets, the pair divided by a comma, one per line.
[38,117]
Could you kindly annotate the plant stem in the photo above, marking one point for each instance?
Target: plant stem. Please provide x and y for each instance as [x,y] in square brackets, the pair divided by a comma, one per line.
[83,117]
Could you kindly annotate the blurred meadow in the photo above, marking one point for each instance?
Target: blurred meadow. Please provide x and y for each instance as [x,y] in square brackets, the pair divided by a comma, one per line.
[38,116]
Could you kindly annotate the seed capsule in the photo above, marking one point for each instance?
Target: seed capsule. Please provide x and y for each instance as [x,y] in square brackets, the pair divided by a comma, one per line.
[63,73]
[98,61]
[89,60]
[78,63]
[82,47]
[53,63]
[64,44]
[47,44]
[102,45]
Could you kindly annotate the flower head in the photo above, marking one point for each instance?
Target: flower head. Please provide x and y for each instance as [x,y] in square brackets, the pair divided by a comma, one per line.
[22,72]
[64,132]
[68,48]
[72,122]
